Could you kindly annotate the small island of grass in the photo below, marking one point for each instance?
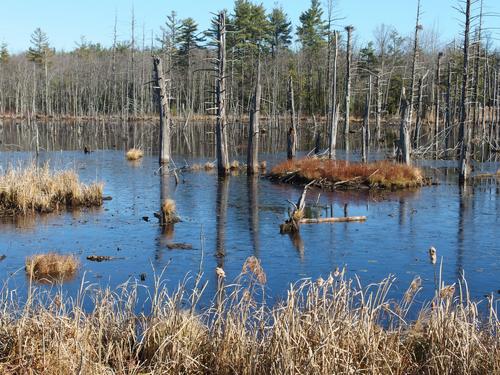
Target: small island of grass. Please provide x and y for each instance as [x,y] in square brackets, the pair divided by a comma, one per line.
[37,189]
[338,174]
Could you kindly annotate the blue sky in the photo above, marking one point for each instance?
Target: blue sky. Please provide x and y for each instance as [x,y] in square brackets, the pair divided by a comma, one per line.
[65,21]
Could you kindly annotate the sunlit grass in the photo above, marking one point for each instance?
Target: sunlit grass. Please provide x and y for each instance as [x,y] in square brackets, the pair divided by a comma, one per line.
[331,325]
[39,189]
[134,154]
[51,266]
[339,173]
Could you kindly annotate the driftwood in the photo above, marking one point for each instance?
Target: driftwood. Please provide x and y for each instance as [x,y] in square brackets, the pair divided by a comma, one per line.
[291,225]
[332,220]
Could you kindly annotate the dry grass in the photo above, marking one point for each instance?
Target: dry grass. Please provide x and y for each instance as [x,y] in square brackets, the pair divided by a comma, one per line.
[38,189]
[134,154]
[342,174]
[168,207]
[234,165]
[51,266]
[209,166]
[327,326]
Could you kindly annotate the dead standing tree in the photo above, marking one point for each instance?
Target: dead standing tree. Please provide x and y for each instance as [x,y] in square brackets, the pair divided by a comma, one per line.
[349,30]
[418,27]
[221,134]
[334,108]
[253,129]
[292,132]
[164,109]
[404,130]
[464,130]
[366,123]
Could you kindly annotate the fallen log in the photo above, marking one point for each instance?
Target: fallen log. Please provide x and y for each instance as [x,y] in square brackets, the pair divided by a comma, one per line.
[332,220]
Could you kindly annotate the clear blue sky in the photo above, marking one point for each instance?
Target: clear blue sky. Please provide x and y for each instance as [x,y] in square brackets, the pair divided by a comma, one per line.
[66,20]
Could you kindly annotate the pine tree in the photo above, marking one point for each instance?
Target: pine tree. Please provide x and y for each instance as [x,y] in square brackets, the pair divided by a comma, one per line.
[40,49]
[250,27]
[188,39]
[4,53]
[312,29]
[281,29]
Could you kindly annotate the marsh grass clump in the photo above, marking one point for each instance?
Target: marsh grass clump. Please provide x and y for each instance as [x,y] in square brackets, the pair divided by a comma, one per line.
[39,189]
[169,212]
[134,154]
[209,166]
[51,266]
[323,326]
[338,174]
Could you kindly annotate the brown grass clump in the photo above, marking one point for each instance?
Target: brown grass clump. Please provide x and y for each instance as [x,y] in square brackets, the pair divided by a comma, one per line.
[134,154]
[338,174]
[168,207]
[195,167]
[209,166]
[235,165]
[51,266]
[38,189]
[263,165]
[329,325]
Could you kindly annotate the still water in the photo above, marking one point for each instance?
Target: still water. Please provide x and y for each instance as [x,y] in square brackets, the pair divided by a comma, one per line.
[228,220]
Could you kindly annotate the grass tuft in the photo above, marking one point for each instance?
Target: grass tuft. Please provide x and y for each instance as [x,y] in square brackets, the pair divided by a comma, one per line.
[134,154]
[38,189]
[51,266]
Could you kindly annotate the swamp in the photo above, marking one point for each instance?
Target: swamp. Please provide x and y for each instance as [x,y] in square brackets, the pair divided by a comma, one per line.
[230,201]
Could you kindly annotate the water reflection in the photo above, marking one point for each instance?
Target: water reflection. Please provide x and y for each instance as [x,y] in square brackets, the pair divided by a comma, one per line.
[221,218]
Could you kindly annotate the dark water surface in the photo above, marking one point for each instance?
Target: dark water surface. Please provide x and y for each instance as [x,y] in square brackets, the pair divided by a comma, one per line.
[229,220]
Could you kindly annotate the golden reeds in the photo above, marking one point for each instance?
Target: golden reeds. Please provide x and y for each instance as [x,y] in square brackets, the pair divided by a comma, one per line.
[342,174]
[39,189]
[51,266]
[134,154]
[209,166]
[327,326]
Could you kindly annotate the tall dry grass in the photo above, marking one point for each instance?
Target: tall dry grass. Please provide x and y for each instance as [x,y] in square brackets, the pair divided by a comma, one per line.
[326,326]
[51,266]
[134,154]
[40,189]
[339,173]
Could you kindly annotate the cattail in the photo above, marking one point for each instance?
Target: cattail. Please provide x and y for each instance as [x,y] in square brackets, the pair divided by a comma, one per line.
[447,292]
[433,254]
[329,281]
[220,272]
[320,282]
[337,272]
[414,287]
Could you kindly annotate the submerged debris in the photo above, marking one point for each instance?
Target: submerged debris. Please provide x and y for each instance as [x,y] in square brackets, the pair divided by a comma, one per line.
[180,245]
[99,258]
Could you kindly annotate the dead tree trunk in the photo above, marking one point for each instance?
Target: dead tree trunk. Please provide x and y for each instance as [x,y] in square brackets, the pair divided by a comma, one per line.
[366,123]
[333,118]
[447,132]
[292,132]
[378,113]
[418,27]
[349,30]
[437,109]
[253,129]
[418,122]
[404,130]
[221,134]
[164,109]
[464,130]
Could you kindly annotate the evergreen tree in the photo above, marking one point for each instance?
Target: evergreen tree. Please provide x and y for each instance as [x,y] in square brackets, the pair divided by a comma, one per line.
[39,51]
[281,29]
[250,26]
[312,29]
[189,38]
[4,53]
